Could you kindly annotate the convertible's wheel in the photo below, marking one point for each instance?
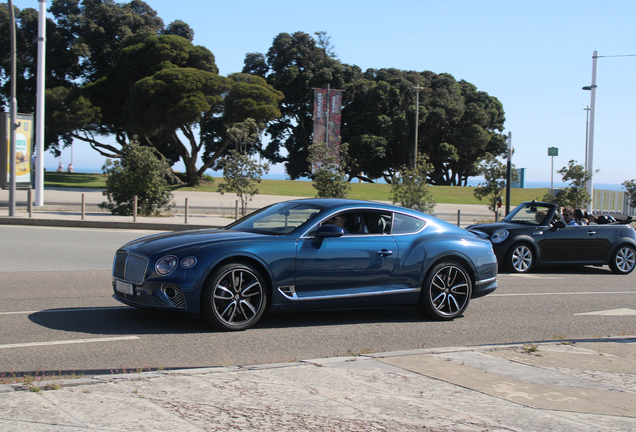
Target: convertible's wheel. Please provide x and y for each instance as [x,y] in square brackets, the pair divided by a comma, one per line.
[520,258]
[235,298]
[446,292]
[623,260]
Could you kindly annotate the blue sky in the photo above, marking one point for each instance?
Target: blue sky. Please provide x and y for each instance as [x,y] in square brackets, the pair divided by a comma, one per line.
[534,56]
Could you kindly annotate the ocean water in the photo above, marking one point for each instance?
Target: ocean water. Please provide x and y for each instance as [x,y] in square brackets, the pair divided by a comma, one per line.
[474,181]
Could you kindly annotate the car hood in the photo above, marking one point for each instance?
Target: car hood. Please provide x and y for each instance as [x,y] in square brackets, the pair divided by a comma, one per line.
[195,239]
[489,228]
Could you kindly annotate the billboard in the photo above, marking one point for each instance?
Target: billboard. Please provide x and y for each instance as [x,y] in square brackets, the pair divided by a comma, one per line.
[23,150]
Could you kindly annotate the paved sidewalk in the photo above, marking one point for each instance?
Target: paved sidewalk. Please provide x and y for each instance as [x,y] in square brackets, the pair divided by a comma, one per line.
[578,386]
[63,207]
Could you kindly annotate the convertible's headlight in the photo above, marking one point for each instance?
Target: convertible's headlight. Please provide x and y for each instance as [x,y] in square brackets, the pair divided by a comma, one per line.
[499,236]
[166,265]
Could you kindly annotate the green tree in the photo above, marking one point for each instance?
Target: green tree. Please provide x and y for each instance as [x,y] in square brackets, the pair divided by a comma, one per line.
[329,177]
[138,173]
[294,65]
[241,172]
[575,195]
[167,91]
[410,188]
[630,186]
[495,175]
[457,125]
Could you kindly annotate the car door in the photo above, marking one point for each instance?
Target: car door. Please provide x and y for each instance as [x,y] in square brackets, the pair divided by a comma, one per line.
[570,244]
[350,265]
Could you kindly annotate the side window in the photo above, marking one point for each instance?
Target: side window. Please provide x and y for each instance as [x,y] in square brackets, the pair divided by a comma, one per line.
[404,224]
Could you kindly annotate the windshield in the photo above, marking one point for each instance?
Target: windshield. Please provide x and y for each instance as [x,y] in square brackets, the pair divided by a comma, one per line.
[529,214]
[281,218]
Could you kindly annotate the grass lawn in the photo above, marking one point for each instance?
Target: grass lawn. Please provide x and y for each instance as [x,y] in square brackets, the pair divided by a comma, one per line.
[367,191]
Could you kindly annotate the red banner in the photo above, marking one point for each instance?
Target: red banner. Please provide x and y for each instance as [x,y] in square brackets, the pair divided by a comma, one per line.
[327,117]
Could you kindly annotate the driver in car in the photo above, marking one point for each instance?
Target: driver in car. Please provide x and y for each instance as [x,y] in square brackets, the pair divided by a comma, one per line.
[568,216]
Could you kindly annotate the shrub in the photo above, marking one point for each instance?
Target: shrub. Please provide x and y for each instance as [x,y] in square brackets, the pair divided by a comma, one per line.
[138,173]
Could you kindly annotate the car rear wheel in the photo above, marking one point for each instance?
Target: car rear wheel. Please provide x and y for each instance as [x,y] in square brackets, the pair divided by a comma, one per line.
[446,292]
[520,258]
[623,260]
[235,297]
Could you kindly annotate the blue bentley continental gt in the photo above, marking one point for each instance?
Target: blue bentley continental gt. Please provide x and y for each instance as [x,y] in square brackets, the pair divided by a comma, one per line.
[308,254]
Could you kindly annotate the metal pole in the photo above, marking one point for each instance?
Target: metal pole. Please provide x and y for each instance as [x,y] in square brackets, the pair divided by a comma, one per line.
[39,109]
[186,210]
[13,112]
[590,147]
[83,206]
[552,177]
[587,126]
[417,121]
[508,173]
[328,112]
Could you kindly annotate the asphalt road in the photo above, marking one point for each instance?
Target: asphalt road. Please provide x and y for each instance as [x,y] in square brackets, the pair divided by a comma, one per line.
[57,314]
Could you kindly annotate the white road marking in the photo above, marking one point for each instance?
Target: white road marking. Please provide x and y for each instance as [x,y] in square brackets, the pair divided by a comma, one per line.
[66,310]
[612,312]
[562,293]
[528,276]
[67,342]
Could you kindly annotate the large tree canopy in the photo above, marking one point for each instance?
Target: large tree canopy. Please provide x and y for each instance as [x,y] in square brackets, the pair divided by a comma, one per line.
[167,91]
[458,125]
[294,65]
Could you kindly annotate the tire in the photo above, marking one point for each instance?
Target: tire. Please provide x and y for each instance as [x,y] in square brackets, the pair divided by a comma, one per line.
[235,298]
[520,258]
[623,260]
[446,292]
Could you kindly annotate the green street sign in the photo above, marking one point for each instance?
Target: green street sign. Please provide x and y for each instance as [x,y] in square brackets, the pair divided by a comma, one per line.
[553,151]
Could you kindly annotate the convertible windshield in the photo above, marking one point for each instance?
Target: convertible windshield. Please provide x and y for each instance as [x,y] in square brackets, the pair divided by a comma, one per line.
[529,214]
[281,218]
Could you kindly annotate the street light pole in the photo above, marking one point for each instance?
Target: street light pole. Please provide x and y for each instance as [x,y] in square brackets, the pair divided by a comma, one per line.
[39,110]
[587,125]
[508,173]
[417,121]
[13,114]
[590,145]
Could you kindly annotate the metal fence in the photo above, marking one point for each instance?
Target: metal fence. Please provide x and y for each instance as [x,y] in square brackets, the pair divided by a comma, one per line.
[612,202]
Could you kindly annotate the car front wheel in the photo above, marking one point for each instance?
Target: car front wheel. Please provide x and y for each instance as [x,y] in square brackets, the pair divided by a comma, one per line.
[446,292]
[235,297]
[623,260]
[520,258]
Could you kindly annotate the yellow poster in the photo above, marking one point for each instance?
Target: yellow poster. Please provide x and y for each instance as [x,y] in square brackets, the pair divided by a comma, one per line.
[23,146]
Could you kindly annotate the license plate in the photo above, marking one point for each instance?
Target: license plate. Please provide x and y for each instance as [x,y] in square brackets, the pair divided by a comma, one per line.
[124,287]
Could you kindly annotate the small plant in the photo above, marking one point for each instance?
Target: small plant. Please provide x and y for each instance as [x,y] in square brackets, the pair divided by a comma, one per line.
[328,166]
[410,189]
[530,348]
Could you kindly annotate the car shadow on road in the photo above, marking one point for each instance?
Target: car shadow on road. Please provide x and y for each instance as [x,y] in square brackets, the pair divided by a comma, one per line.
[134,321]
[566,269]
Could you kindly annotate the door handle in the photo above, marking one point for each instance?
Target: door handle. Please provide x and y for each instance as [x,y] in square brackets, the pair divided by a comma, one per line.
[384,253]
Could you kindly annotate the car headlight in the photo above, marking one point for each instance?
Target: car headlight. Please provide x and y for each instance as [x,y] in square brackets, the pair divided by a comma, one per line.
[188,262]
[166,265]
[499,236]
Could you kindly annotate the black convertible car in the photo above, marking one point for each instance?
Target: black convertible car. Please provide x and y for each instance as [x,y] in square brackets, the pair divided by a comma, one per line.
[534,234]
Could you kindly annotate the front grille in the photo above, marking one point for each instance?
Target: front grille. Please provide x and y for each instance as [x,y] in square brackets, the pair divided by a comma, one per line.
[131,268]
[175,295]
[142,299]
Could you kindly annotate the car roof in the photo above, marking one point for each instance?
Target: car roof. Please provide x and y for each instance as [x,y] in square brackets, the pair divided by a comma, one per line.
[338,203]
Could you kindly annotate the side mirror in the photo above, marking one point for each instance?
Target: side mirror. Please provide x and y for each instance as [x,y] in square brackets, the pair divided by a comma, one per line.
[329,230]
[558,225]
